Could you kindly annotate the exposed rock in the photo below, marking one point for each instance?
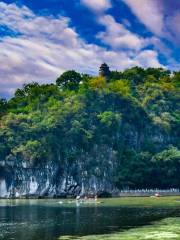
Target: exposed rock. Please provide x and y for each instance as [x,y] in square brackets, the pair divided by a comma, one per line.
[53,180]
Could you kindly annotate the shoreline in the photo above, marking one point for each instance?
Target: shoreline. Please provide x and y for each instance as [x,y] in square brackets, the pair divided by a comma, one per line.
[74,197]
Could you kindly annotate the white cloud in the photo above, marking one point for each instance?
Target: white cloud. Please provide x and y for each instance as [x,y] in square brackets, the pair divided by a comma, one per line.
[148,58]
[159,16]
[97,5]
[47,46]
[117,36]
[149,12]
[24,21]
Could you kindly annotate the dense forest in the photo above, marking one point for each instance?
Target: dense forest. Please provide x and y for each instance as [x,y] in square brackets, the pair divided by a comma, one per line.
[119,126]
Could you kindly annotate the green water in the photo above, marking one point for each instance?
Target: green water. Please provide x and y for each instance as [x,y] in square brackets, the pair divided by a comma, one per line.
[168,229]
[110,219]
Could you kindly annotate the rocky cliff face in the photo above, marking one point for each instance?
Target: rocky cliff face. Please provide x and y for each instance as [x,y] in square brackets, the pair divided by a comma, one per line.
[54,180]
[89,174]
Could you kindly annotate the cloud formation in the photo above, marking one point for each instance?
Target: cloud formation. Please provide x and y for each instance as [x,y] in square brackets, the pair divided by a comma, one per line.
[45,46]
[117,36]
[148,13]
[159,16]
[97,6]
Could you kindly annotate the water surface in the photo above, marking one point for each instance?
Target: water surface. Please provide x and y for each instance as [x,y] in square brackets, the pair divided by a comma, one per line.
[49,219]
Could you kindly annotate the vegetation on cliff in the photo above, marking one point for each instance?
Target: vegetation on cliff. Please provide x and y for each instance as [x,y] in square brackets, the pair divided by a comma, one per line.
[135,114]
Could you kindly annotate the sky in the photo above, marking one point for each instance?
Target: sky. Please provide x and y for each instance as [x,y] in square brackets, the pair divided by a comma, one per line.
[40,39]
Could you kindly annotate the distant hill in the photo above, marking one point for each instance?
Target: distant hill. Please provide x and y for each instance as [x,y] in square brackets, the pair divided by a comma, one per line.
[92,135]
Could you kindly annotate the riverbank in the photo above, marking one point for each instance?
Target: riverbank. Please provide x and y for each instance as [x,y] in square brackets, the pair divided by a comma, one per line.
[120,193]
[170,201]
[149,192]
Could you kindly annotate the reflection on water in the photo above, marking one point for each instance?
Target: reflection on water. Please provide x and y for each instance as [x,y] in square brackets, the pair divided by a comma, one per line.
[47,220]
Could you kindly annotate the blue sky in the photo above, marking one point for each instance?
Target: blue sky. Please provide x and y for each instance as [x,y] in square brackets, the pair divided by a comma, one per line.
[41,39]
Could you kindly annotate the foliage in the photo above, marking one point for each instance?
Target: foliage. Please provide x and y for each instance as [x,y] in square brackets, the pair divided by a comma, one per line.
[109,118]
[121,87]
[69,80]
[97,83]
[134,115]
[170,154]
[30,151]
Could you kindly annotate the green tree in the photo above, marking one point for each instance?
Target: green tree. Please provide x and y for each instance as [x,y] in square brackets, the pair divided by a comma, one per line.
[31,151]
[126,124]
[109,118]
[121,87]
[69,80]
[170,154]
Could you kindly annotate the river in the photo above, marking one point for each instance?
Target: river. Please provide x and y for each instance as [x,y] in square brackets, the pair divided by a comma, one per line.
[50,219]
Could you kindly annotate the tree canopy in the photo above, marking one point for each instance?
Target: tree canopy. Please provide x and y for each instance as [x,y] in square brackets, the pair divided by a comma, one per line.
[69,80]
[130,122]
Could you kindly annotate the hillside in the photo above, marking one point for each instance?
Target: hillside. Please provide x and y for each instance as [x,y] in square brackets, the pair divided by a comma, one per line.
[87,134]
